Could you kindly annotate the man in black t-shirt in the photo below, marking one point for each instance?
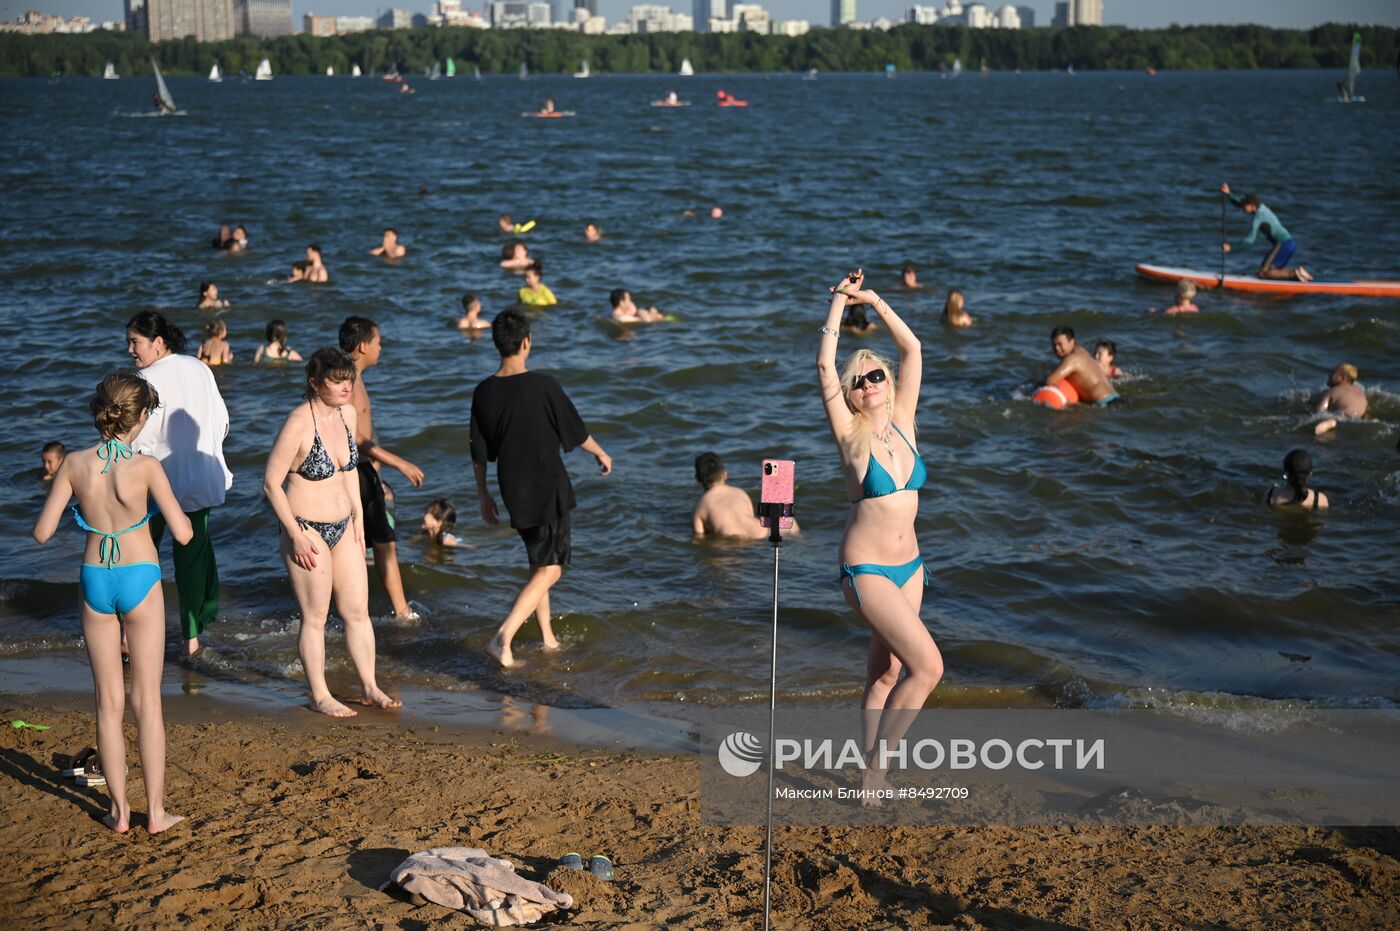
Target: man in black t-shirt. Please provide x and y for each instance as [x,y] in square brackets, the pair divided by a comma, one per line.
[521,420]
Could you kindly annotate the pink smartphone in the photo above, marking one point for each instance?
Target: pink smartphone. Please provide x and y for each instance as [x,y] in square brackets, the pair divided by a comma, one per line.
[777,490]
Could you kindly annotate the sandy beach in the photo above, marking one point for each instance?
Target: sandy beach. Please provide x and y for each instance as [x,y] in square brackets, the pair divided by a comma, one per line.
[294,821]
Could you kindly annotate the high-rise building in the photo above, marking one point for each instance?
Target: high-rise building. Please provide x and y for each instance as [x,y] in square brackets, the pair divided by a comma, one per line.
[135,17]
[395,18]
[1088,12]
[590,5]
[520,14]
[843,12]
[705,10]
[1027,14]
[1061,19]
[344,25]
[266,18]
[206,20]
[321,26]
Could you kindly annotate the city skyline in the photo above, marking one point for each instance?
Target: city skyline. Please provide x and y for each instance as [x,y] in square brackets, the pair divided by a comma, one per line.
[1145,14]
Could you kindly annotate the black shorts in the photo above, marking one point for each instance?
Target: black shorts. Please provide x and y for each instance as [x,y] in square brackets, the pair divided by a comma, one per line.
[378,530]
[549,545]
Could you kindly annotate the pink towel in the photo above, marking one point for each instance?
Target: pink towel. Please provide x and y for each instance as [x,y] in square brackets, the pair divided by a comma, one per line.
[486,888]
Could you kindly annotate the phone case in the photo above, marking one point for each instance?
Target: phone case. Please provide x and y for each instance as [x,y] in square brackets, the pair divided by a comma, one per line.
[777,489]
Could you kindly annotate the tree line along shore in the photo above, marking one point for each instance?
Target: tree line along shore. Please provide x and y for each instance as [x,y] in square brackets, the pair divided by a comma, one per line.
[544,51]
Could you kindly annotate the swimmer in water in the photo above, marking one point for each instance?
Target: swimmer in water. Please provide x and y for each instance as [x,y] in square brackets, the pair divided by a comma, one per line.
[625,310]
[51,457]
[954,314]
[240,239]
[716,213]
[1343,396]
[1297,469]
[515,257]
[215,348]
[535,293]
[856,320]
[1104,353]
[315,271]
[1185,294]
[438,521]
[1079,369]
[591,232]
[224,238]
[471,305]
[548,105]
[723,510]
[276,348]
[506,224]
[909,277]
[209,297]
[299,268]
[389,247]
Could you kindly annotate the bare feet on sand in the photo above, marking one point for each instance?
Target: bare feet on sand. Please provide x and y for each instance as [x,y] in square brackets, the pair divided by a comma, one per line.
[499,652]
[162,821]
[333,708]
[376,698]
[121,823]
[873,781]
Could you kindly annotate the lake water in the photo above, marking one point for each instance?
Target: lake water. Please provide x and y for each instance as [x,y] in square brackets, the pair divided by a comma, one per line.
[1089,558]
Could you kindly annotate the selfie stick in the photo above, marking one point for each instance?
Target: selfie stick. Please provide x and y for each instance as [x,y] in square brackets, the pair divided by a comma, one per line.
[774,513]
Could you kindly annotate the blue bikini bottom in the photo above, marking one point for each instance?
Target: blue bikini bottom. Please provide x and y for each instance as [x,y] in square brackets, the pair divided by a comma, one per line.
[117,589]
[896,574]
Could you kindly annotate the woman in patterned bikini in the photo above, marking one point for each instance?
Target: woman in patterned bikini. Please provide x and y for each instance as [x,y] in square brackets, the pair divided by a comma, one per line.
[314,490]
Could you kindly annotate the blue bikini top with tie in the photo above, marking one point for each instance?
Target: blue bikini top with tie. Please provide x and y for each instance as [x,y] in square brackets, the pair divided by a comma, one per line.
[109,548]
[878,482]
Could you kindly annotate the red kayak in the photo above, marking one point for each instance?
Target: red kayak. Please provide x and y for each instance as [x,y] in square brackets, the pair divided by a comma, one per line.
[1255,285]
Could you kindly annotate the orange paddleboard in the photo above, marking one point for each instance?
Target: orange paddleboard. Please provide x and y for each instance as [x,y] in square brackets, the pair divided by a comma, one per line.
[1269,285]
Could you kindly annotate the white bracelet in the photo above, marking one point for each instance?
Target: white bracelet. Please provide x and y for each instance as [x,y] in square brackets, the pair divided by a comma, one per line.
[830,332]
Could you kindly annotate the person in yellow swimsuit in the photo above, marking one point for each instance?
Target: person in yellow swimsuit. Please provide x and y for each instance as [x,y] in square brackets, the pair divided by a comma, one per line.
[535,293]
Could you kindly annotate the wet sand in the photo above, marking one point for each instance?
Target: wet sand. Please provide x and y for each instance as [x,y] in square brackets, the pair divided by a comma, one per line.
[294,821]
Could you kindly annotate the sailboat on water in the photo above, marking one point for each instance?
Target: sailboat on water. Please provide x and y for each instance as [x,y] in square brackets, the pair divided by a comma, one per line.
[110,73]
[451,68]
[355,71]
[585,71]
[985,70]
[957,67]
[264,72]
[686,69]
[476,72]
[215,75]
[164,102]
[436,73]
[330,71]
[1348,90]
[524,72]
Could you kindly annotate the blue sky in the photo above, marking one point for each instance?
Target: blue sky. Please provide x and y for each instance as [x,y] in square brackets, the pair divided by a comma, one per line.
[1297,14]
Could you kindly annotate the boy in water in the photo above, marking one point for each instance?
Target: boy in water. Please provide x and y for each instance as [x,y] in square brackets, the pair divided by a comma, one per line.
[1343,396]
[52,457]
[1284,245]
[723,510]
[389,246]
[471,306]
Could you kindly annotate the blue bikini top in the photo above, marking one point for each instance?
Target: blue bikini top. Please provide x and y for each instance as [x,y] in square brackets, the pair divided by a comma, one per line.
[318,464]
[878,482]
[109,548]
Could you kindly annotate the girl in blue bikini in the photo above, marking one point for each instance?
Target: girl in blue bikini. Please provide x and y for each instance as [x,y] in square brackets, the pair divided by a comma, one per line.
[882,575]
[120,576]
[314,490]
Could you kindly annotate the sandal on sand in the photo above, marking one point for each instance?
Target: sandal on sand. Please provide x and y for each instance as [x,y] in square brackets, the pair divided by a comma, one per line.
[92,774]
[571,861]
[80,762]
[600,866]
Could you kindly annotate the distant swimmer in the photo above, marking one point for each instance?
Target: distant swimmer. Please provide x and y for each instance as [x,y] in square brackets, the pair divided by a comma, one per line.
[515,256]
[240,239]
[315,269]
[1297,469]
[224,238]
[1185,296]
[389,247]
[299,269]
[672,99]
[954,313]
[1105,351]
[1079,369]
[506,223]
[209,297]
[625,310]
[548,106]
[716,213]
[276,348]
[51,457]
[535,293]
[909,277]
[1343,396]
[438,522]
[723,510]
[471,307]
[591,232]
[215,349]
[1275,264]
[855,319]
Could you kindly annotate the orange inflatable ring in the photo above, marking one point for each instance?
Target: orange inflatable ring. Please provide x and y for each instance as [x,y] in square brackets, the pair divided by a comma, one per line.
[1057,396]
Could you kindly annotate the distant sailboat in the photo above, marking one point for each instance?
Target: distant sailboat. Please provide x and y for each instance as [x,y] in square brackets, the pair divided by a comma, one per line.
[355,71]
[985,70]
[110,73]
[1070,70]
[264,71]
[584,72]
[167,103]
[330,71]
[215,76]
[476,72]
[811,75]
[889,70]
[686,69]
[957,67]
[524,72]
[436,73]
[451,68]
[1353,69]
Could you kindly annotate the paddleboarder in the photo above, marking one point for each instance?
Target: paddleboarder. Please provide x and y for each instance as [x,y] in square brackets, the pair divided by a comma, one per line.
[1275,264]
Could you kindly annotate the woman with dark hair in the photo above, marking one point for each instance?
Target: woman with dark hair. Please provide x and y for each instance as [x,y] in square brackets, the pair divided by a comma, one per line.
[515,257]
[882,574]
[1297,469]
[186,433]
[314,489]
[209,297]
[438,522]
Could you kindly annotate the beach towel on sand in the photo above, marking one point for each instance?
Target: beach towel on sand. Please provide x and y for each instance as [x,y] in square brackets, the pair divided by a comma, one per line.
[472,881]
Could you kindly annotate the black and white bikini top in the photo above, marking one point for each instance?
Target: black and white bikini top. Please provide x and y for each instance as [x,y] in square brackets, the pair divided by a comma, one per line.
[318,464]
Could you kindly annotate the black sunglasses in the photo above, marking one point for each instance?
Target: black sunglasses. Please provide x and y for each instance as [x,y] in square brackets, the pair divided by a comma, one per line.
[874,376]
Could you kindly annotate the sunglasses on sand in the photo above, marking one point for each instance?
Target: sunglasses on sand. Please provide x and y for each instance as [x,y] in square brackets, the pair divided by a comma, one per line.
[874,377]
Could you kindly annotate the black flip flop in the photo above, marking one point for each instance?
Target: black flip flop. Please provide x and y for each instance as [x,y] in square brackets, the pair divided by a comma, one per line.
[77,766]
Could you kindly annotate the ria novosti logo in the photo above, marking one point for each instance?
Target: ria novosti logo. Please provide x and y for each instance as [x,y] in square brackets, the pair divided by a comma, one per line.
[741,754]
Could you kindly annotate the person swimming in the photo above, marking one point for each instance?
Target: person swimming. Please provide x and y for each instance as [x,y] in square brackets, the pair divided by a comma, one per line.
[471,306]
[51,457]
[1185,295]
[276,348]
[909,277]
[515,256]
[215,348]
[1105,351]
[209,297]
[591,232]
[535,293]
[438,521]
[856,320]
[316,271]
[1297,469]
[389,246]
[625,310]
[1079,369]
[1343,396]
[954,314]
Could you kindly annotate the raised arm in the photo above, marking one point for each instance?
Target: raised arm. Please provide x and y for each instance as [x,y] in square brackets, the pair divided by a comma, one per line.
[838,415]
[911,355]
